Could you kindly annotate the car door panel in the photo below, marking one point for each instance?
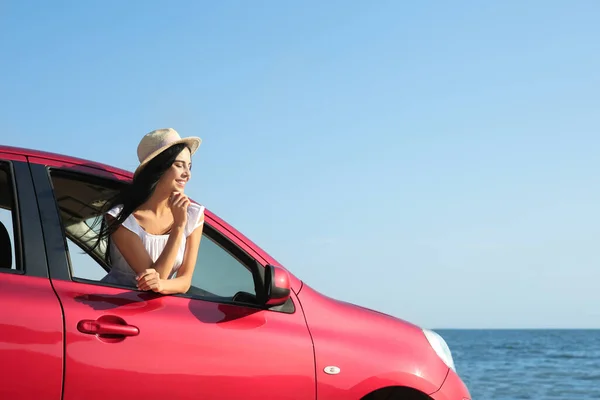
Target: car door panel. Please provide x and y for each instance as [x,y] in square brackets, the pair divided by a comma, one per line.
[185,349]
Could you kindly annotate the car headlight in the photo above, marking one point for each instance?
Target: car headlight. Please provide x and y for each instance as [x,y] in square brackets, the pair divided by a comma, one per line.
[441,347]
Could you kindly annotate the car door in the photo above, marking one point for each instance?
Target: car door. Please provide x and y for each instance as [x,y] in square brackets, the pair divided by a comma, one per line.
[202,345]
[31,324]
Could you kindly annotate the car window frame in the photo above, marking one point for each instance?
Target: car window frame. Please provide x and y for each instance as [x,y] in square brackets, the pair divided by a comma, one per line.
[29,245]
[60,264]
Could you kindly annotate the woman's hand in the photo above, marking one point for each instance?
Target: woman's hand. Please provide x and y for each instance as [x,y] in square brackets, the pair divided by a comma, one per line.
[179,203]
[149,280]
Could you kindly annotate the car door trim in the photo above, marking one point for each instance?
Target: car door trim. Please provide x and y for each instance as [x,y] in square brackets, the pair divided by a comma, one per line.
[56,245]
[30,252]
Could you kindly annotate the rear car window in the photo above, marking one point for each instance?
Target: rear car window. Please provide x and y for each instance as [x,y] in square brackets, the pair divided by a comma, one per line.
[8,218]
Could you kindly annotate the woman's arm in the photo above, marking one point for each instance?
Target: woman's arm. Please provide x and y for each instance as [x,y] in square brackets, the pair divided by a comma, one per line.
[150,279]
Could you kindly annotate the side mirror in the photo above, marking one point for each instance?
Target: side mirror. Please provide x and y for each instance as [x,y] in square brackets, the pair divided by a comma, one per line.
[277,286]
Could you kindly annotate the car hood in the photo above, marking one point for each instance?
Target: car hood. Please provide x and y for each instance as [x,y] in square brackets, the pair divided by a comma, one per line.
[324,311]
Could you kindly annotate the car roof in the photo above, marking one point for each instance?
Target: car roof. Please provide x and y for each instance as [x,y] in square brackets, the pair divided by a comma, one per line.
[62,157]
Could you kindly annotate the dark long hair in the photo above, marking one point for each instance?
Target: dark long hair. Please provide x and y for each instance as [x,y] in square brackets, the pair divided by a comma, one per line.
[137,193]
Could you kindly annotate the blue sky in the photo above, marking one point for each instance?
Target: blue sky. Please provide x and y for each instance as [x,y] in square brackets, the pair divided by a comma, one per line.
[435,161]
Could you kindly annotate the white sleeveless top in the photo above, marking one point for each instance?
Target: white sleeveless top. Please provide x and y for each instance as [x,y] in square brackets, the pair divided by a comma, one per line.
[121,273]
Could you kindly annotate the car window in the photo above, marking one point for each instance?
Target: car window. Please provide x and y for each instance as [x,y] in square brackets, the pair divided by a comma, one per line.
[8,260]
[218,273]
[83,266]
[80,203]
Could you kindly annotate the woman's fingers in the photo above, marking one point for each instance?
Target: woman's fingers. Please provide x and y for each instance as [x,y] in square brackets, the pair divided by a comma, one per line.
[149,285]
[181,200]
[148,280]
[146,272]
[175,198]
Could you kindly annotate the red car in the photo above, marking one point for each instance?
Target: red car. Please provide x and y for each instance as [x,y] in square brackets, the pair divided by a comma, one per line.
[247,329]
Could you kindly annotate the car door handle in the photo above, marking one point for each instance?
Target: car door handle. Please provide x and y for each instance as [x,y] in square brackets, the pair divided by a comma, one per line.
[94,327]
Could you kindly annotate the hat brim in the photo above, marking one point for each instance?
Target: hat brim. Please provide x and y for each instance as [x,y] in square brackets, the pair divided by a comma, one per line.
[192,142]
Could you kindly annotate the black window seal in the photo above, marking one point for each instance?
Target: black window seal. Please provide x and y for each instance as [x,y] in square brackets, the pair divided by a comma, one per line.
[54,237]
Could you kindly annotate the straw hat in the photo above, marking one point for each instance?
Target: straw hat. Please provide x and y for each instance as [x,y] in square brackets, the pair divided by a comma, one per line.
[155,142]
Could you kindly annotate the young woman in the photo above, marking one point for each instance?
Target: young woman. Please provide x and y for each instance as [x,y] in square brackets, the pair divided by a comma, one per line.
[154,230]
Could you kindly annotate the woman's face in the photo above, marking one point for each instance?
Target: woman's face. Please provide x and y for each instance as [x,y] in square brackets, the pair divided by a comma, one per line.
[178,175]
